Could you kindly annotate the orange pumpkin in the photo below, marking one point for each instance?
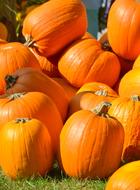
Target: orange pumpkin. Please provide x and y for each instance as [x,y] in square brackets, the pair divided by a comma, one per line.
[28,149]
[3,31]
[87,100]
[53,33]
[29,80]
[32,105]
[85,61]
[127,111]
[88,142]
[125,178]
[69,89]
[47,67]
[130,83]
[136,63]
[13,56]
[123,28]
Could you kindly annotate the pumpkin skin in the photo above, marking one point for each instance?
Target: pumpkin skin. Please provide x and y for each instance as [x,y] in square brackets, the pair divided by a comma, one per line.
[130,83]
[95,86]
[87,143]
[29,80]
[85,61]
[47,67]
[13,56]
[127,111]
[3,31]
[126,177]
[87,100]
[136,63]
[32,105]
[123,28]
[70,22]
[28,149]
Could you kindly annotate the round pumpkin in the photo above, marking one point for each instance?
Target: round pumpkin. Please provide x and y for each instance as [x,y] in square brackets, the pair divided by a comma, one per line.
[123,26]
[85,61]
[127,111]
[26,148]
[29,80]
[13,56]
[87,143]
[3,31]
[32,105]
[125,178]
[130,83]
[49,33]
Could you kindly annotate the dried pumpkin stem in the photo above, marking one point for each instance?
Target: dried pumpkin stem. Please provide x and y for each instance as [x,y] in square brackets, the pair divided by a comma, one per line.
[135,98]
[106,46]
[10,81]
[22,120]
[16,95]
[101,92]
[102,109]
[29,41]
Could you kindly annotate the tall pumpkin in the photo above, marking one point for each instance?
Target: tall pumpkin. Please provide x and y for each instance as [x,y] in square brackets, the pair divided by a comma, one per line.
[85,61]
[87,143]
[55,24]
[123,28]
[13,56]
[28,149]
[32,105]
[29,80]
[125,178]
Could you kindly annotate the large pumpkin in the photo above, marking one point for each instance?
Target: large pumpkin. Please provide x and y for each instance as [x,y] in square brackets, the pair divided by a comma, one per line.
[127,111]
[85,61]
[55,24]
[29,80]
[13,56]
[125,178]
[26,148]
[32,105]
[130,83]
[88,145]
[123,28]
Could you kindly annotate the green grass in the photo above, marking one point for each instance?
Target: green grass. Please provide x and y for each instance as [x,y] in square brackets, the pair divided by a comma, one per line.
[56,180]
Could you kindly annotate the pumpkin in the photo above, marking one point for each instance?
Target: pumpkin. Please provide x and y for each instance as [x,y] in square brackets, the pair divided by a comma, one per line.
[127,111]
[32,105]
[130,83]
[126,177]
[49,33]
[69,89]
[88,99]
[13,56]
[28,149]
[123,26]
[85,61]
[29,80]
[136,63]
[47,67]
[95,86]
[87,143]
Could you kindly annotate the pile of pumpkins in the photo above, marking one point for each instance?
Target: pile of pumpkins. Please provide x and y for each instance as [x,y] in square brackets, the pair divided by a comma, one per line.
[67,97]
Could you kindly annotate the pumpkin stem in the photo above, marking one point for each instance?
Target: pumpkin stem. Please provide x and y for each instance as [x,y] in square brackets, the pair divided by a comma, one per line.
[22,120]
[16,95]
[106,46]
[102,109]
[29,41]
[135,98]
[10,81]
[101,92]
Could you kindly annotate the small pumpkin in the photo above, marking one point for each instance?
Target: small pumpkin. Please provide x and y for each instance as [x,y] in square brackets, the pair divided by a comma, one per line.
[28,149]
[85,61]
[3,31]
[70,22]
[87,143]
[32,105]
[29,80]
[126,177]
